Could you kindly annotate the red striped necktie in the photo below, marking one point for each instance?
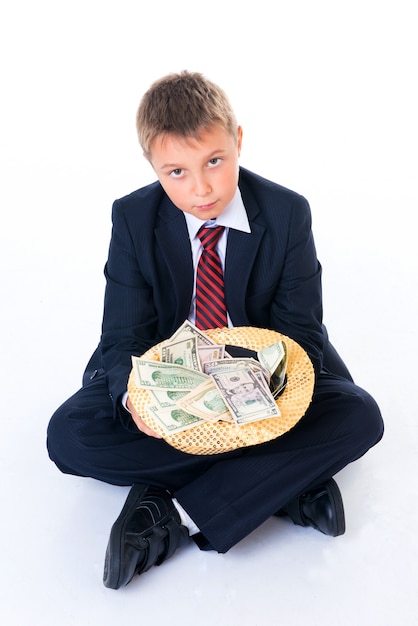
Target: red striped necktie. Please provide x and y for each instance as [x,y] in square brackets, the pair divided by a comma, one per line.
[210,295]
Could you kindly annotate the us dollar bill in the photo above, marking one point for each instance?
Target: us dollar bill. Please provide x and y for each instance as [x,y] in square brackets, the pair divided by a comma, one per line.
[188,329]
[157,375]
[173,420]
[210,353]
[165,399]
[227,364]
[206,402]
[246,395]
[182,352]
[274,358]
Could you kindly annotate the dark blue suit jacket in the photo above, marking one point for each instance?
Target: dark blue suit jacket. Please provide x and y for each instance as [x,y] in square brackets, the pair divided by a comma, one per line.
[272,275]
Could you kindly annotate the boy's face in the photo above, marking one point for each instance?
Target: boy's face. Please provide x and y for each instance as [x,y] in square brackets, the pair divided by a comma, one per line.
[199,176]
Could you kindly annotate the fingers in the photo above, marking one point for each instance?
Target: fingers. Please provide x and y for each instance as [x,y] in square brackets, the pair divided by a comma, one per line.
[140,422]
[144,428]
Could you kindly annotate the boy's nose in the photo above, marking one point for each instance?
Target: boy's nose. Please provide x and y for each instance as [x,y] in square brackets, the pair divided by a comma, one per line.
[202,187]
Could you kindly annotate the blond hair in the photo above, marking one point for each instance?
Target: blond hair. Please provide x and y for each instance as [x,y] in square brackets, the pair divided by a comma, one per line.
[182,104]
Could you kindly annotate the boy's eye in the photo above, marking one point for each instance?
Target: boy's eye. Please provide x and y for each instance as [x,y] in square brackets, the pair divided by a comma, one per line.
[213,162]
[176,173]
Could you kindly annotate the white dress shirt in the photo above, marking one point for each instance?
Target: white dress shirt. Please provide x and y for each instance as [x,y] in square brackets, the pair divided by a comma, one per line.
[233,216]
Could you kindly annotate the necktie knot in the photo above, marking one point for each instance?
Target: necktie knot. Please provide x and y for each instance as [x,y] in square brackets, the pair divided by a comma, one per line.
[209,237]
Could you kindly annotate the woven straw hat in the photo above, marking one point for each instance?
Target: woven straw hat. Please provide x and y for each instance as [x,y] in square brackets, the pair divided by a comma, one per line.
[217,437]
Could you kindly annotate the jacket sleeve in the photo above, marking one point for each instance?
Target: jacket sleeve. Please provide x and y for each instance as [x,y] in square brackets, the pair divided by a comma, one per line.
[296,308]
[129,320]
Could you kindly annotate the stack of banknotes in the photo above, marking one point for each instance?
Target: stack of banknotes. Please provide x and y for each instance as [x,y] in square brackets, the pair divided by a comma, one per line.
[196,380]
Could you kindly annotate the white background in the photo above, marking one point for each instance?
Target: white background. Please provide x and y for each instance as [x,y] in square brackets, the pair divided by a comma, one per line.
[326,92]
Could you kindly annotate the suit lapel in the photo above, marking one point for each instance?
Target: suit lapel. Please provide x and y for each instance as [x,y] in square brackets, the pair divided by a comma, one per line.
[242,249]
[173,239]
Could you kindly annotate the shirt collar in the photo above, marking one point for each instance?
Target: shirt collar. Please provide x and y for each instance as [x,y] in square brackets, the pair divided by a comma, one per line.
[233,216]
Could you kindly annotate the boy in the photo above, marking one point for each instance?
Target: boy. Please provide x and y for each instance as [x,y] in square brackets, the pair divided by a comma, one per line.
[272,279]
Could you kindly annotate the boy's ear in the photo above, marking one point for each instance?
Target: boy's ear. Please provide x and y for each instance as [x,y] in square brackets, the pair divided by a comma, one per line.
[239,139]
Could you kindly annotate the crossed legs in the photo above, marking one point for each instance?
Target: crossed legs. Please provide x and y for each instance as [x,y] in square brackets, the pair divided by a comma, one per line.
[227,495]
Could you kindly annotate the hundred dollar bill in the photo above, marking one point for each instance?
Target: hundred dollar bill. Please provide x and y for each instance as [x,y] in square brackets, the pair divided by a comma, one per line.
[187,329]
[166,399]
[247,398]
[173,420]
[157,375]
[183,352]
[274,359]
[205,401]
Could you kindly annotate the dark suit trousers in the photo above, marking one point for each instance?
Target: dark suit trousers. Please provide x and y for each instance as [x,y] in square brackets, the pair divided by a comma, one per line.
[227,495]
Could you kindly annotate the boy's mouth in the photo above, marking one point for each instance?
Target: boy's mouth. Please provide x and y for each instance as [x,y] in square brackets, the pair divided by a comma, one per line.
[206,207]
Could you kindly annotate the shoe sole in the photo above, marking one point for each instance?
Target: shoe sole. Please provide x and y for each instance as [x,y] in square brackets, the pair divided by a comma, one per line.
[113,566]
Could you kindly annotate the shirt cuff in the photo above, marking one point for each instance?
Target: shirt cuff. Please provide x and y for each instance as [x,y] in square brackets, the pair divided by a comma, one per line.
[124,400]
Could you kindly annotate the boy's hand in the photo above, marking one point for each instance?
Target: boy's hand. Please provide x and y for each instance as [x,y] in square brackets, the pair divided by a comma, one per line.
[140,422]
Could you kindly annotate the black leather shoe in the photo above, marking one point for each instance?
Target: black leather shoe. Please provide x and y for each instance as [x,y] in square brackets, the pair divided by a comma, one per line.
[146,533]
[322,508]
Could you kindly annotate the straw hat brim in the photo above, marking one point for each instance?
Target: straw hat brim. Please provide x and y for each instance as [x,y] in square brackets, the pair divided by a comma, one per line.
[217,437]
